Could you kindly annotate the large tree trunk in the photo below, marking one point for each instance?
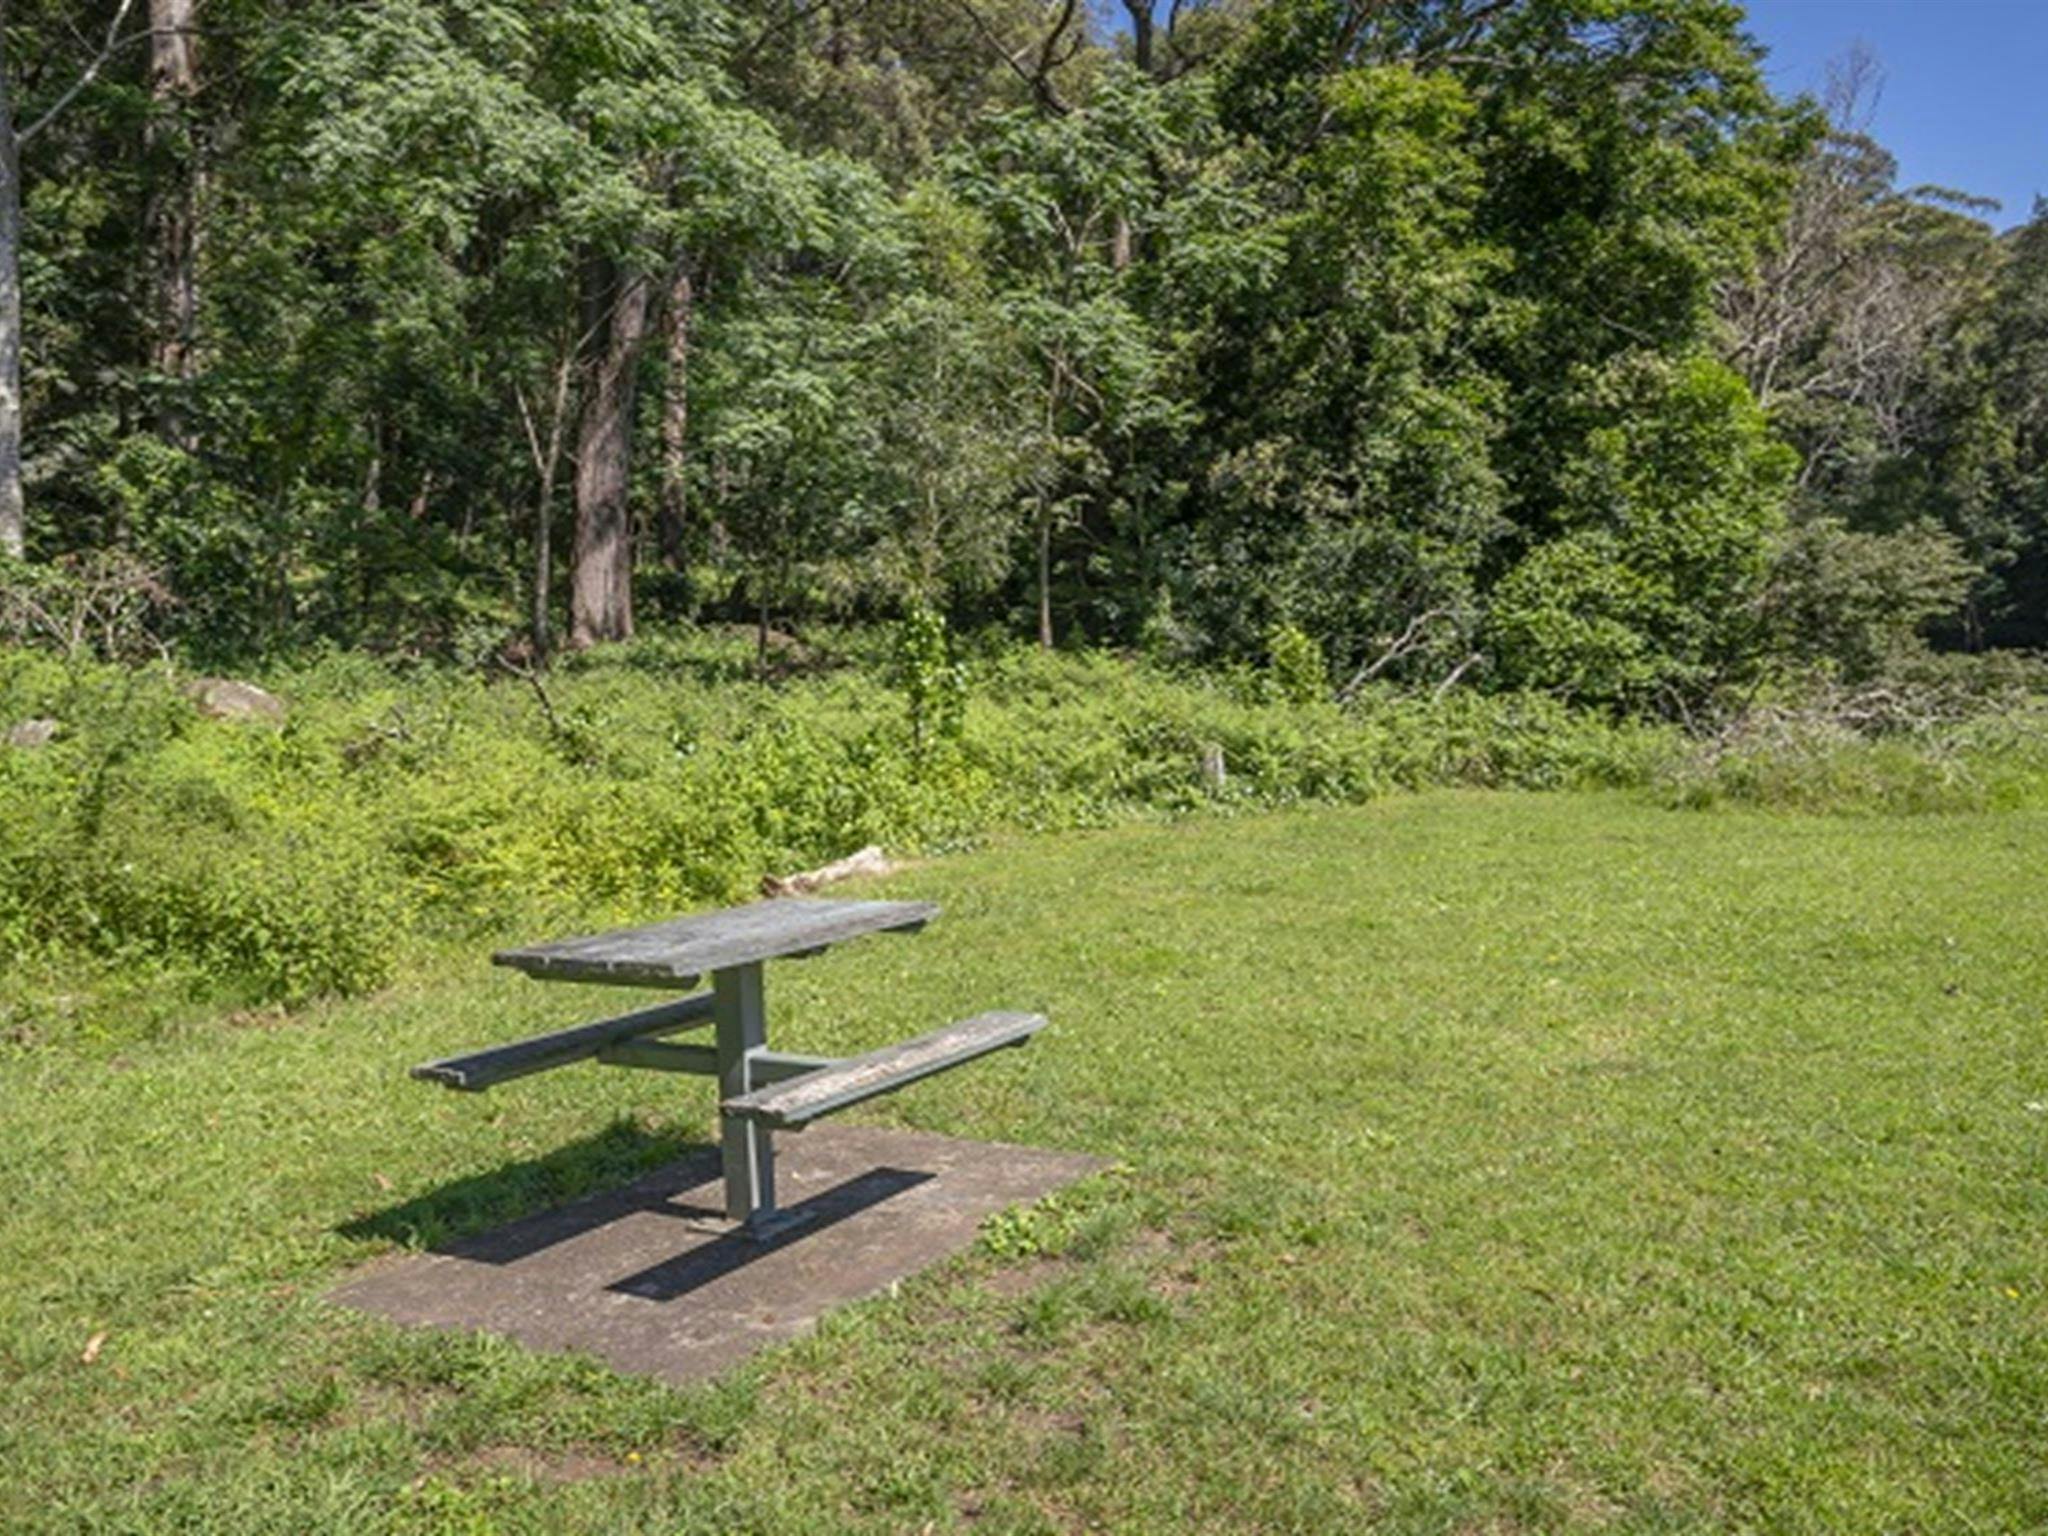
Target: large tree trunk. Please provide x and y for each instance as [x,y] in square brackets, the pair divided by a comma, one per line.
[675,419]
[11,537]
[601,573]
[172,214]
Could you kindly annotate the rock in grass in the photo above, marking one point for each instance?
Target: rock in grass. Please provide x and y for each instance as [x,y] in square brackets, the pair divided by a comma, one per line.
[222,698]
[30,734]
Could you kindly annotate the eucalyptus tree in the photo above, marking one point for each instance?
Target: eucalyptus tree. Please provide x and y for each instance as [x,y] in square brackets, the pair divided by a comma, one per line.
[176,175]
[1869,332]
[1839,329]
[66,60]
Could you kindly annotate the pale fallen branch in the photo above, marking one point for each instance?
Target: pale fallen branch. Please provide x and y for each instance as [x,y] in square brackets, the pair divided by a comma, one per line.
[869,861]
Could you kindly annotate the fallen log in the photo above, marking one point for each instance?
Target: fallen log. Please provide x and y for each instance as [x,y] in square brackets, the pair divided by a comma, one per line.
[869,861]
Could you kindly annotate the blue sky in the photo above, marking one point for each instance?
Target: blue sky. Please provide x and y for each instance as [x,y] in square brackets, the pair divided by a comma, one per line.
[1965,100]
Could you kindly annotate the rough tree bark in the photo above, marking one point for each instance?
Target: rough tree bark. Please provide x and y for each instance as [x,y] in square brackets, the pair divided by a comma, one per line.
[172,213]
[601,571]
[1056,375]
[675,418]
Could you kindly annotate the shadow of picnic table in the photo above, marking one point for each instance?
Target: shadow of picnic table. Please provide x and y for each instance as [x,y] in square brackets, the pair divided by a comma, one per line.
[622,1151]
[522,1209]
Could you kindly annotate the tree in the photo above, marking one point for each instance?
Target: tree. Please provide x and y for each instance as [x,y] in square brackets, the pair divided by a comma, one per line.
[1839,329]
[416,209]
[679,312]
[896,84]
[1354,320]
[1859,602]
[173,214]
[954,437]
[1992,458]
[15,136]
[601,576]
[1652,592]
[1062,193]
[11,531]
[1877,332]
[1350,487]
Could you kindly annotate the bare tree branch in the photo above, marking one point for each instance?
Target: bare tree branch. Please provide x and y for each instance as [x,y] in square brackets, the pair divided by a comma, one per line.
[112,45]
[1037,78]
[1408,640]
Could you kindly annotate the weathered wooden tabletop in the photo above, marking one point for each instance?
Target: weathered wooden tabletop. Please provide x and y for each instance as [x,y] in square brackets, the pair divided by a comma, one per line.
[679,951]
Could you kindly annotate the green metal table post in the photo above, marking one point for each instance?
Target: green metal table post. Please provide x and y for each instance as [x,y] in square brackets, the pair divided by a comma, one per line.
[740,1013]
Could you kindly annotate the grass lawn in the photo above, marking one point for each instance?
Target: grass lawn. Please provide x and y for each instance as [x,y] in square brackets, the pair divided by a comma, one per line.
[1488,1163]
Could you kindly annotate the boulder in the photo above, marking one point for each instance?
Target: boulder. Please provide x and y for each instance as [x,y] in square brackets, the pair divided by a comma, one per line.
[222,698]
[28,734]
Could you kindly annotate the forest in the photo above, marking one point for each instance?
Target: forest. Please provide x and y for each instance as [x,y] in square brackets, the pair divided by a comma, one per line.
[1508,345]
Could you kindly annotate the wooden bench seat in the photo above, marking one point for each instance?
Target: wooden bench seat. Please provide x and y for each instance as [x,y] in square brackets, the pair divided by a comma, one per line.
[793,1104]
[481,1069]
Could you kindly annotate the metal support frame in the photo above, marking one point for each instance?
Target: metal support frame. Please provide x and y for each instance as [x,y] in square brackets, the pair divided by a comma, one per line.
[702,1060]
[740,1015]
[742,1062]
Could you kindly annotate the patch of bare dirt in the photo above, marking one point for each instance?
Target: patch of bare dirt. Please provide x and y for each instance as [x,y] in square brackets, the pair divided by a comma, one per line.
[410,1405]
[1022,1279]
[567,1464]
[1176,1266]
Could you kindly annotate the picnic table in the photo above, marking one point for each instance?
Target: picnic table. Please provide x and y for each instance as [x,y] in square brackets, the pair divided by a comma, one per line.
[760,1090]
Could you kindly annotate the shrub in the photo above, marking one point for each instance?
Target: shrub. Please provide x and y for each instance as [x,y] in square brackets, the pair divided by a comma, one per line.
[1298,669]
[1896,748]
[1859,600]
[933,683]
[396,805]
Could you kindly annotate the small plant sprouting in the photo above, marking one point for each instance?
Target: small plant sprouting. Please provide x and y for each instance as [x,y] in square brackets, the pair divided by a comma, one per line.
[934,683]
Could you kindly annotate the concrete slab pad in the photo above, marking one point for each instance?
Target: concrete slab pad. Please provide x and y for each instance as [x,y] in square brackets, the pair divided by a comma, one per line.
[643,1277]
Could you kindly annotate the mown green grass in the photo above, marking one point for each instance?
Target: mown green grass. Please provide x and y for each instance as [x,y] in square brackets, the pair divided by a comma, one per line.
[1486,1163]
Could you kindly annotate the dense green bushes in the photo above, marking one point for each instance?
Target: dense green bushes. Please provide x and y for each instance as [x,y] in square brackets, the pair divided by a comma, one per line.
[278,862]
